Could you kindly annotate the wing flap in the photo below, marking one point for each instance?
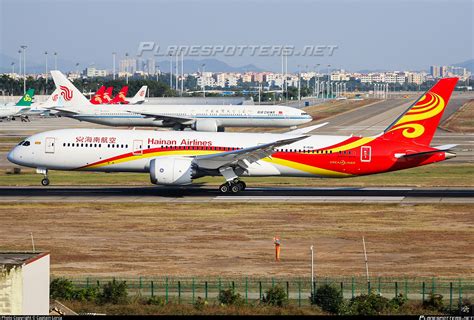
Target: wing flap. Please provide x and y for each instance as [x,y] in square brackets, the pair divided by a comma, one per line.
[242,157]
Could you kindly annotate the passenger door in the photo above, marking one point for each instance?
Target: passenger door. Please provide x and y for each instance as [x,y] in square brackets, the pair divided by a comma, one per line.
[49,145]
[137,147]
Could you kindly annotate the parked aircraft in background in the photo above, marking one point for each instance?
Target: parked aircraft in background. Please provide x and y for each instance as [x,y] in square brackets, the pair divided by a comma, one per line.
[176,158]
[97,98]
[120,97]
[10,111]
[179,117]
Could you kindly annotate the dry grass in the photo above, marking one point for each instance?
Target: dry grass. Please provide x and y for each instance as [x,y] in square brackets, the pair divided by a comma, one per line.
[461,121]
[319,112]
[236,239]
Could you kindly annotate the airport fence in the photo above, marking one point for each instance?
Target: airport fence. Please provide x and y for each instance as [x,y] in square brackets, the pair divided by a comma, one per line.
[188,289]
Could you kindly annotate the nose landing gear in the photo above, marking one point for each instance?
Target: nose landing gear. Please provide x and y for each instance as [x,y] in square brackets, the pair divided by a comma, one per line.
[44,172]
[45,181]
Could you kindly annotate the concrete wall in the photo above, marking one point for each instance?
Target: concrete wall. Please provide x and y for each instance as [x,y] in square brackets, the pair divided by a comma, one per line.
[36,287]
[11,291]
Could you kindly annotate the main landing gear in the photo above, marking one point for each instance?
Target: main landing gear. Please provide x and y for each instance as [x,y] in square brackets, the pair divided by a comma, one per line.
[45,180]
[232,186]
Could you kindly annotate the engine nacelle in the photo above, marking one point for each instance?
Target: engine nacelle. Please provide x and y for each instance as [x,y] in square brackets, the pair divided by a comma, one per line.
[171,171]
[205,125]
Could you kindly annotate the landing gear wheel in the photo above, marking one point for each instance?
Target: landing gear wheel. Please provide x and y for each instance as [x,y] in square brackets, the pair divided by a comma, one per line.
[224,188]
[235,188]
[242,185]
[45,182]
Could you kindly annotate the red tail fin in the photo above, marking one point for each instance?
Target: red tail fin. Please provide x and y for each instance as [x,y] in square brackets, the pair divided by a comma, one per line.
[418,124]
[120,97]
[97,98]
[107,95]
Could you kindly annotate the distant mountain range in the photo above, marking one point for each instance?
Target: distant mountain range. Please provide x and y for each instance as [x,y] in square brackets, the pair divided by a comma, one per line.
[211,65]
[190,65]
[468,64]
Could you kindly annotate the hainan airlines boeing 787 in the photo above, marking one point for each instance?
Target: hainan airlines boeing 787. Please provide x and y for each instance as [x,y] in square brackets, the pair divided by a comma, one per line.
[178,157]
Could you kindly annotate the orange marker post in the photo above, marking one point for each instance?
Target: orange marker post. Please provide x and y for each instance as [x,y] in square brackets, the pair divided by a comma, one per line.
[277,242]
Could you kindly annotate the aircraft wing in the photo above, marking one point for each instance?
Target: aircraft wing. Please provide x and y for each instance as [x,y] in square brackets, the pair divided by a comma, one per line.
[165,118]
[243,157]
[63,110]
[307,129]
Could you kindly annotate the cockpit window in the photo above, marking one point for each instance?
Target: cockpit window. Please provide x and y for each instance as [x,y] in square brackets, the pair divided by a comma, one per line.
[21,142]
[304,114]
[26,143]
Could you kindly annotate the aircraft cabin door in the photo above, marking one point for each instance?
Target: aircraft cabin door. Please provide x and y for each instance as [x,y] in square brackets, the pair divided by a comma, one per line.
[49,145]
[365,153]
[137,147]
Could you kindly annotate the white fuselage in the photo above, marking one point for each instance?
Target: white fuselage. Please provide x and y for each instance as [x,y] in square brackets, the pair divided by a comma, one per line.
[117,150]
[222,115]
[7,111]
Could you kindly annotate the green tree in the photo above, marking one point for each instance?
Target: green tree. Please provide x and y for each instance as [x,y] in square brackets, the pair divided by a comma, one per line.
[114,292]
[329,298]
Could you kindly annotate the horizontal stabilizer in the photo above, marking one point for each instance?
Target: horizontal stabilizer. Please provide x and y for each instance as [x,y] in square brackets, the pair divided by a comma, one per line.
[446,147]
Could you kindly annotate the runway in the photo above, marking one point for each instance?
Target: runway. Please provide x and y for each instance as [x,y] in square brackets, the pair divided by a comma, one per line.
[191,194]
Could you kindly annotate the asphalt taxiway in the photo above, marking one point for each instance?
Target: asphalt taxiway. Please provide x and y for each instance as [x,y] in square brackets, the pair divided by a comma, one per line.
[211,194]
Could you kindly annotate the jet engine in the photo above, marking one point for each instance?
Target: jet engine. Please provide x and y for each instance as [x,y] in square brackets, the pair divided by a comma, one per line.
[171,171]
[205,125]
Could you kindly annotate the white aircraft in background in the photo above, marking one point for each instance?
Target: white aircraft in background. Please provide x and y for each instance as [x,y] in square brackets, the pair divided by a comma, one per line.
[10,111]
[197,117]
[44,108]
[178,157]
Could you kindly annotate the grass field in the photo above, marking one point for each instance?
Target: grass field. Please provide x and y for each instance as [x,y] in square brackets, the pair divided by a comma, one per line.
[319,112]
[435,175]
[461,121]
[219,239]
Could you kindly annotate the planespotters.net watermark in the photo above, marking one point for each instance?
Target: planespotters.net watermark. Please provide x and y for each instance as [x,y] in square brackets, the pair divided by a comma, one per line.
[235,50]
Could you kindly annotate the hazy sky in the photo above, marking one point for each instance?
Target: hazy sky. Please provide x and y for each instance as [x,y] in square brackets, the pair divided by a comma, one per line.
[370,34]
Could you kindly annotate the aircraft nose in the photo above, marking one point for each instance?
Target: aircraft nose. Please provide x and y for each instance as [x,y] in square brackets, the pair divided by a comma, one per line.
[13,155]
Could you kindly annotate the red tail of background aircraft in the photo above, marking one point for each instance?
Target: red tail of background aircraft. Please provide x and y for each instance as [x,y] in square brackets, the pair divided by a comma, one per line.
[120,97]
[107,96]
[97,98]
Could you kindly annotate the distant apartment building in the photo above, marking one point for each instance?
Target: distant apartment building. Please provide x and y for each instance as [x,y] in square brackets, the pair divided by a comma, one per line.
[273,79]
[206,79]
[247,77]
[147,66]
[340,76]
[92,72]
[128,65]
[449,71]
[259,77]
[416,77]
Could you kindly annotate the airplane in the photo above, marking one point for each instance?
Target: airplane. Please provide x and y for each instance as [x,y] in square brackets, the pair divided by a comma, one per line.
[10,111]
[197,117]
[97,98]
[178,157]
[43,108]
